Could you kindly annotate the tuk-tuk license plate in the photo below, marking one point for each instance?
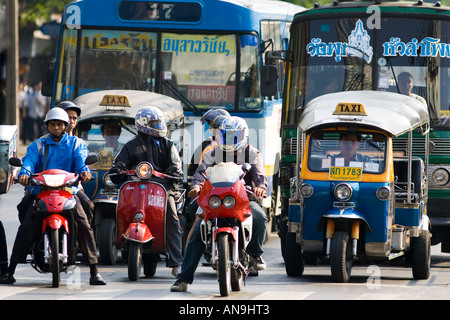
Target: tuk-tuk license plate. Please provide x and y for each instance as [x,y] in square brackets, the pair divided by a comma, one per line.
[345,173]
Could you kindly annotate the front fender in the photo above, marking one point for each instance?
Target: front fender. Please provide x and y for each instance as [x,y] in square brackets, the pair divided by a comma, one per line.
[138,232]
[55,221]
[344,213]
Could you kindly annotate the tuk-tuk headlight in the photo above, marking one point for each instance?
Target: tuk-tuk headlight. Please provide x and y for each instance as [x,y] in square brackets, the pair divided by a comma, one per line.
[383,193]
[440,177]
[343,192]
[306,190]
[215,202]
[107,182]
[144,170]
[138,217]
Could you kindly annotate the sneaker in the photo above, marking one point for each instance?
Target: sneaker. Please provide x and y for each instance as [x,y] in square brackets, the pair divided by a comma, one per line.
[179,286]
[258,262]
[176,271]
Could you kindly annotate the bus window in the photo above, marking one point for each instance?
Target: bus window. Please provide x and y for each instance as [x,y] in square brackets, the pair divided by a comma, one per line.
[249,88]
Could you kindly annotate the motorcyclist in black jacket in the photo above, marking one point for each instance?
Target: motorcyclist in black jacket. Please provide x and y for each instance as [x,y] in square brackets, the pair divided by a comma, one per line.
[152,145]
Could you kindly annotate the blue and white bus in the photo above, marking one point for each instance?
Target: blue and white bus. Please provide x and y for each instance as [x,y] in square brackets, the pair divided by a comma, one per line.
[205,53]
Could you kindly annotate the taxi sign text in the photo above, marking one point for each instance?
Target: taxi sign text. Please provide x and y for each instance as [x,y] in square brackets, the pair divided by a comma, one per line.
[115,100]
[349,108]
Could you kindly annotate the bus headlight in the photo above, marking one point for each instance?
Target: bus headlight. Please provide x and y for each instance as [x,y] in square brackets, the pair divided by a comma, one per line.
[440,177]
[306,190]
[214,202]
[383,193]
[343,192]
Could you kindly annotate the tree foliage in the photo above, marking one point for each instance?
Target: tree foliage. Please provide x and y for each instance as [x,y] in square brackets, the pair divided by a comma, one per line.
[39,10]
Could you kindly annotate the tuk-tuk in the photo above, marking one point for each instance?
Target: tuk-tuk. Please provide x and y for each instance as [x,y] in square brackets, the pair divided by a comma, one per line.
[356,199]
[106,123]
[8,149]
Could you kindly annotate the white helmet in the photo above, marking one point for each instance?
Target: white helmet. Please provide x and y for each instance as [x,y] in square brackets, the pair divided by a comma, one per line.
[233,134]
[57,114]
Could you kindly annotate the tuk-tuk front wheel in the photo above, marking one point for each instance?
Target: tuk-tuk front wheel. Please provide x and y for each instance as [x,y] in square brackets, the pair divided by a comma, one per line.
[341,261]
[134,260]
[421,255]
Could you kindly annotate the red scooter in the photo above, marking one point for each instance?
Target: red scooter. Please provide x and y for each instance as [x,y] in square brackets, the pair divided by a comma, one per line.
[141,219]
[226,228]
[56,249]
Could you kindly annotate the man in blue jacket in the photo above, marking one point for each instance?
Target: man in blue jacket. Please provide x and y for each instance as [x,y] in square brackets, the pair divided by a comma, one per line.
[55,150]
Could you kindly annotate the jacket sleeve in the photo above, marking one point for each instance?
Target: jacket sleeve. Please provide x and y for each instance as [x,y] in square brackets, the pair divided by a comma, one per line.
[207,161]
[30,160]
[80,155]
[258,171]
[175,165]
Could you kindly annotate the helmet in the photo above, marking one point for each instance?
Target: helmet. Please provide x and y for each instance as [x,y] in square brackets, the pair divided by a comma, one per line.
[150,120]
[211,114]
[233,134]
[218,121]
[57,114]
[69,105]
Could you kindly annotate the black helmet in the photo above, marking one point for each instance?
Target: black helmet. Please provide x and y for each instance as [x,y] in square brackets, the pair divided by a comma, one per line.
[69,105]
[211,114]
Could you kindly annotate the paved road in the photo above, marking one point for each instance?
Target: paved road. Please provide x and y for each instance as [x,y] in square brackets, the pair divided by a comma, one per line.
[386,282]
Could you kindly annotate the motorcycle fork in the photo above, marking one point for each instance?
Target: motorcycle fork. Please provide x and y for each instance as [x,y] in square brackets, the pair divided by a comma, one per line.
[354,236]
[63,256]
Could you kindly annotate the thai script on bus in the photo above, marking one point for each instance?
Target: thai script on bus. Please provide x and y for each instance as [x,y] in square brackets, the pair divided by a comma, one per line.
[118,41]
[205,44]
[427,47]
[358,46]
[211,93]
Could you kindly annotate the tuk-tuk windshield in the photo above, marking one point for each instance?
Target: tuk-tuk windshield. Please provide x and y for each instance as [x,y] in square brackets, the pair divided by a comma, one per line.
[366,150]
[106,140]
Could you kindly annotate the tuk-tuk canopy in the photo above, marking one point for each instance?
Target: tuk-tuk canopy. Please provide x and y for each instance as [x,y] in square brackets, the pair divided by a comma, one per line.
[391,112]
[125,104]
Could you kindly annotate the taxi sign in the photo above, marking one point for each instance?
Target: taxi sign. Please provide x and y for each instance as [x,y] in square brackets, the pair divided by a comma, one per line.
[113,100]
[345,173]
[350,109]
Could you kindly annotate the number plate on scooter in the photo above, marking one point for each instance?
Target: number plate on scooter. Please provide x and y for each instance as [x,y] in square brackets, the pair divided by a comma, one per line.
[345,173]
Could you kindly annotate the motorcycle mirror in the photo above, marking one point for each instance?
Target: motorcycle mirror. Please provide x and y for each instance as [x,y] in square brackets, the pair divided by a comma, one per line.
[202,168]
[15,162]
[92,158]
[246,167]
[121,165]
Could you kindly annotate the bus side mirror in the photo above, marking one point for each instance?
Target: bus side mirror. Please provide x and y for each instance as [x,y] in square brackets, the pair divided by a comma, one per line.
[47,81]
[269,79]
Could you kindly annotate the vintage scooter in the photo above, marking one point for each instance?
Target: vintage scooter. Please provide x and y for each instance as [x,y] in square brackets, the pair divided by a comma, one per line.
[359,199]
[56,249]
[141,218]
[226,228]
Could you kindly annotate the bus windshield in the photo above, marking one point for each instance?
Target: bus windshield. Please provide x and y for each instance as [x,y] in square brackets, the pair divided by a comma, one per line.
[404,55]
[201,70]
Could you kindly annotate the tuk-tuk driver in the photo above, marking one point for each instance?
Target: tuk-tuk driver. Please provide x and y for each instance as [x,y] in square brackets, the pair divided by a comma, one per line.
[349,144]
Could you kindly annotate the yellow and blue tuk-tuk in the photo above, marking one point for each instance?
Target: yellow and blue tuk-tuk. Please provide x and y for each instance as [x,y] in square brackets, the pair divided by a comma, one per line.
[106,123]
[356,199]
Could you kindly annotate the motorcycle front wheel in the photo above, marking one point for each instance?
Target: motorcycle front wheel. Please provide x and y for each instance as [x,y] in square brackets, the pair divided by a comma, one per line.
[134,260]
[224,267]
[55,265]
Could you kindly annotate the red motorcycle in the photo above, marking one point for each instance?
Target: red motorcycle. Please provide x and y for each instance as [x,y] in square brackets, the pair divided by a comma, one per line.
[141,219]
[226,228]
[56,247]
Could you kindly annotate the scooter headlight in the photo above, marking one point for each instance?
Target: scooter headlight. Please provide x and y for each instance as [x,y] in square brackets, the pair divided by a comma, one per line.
[144,170]
[343,191]
[214,202]
[54,180]
[229,202]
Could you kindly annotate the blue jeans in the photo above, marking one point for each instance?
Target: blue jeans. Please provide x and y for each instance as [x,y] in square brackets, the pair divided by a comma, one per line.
[196,246]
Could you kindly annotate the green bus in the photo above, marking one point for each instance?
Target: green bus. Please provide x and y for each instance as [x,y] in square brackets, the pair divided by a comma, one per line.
[399,47]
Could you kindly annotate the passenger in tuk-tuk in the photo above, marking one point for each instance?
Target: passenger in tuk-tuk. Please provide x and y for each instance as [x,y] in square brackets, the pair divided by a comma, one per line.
[111,133]
[74,111]
[349,144]
[152,145]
